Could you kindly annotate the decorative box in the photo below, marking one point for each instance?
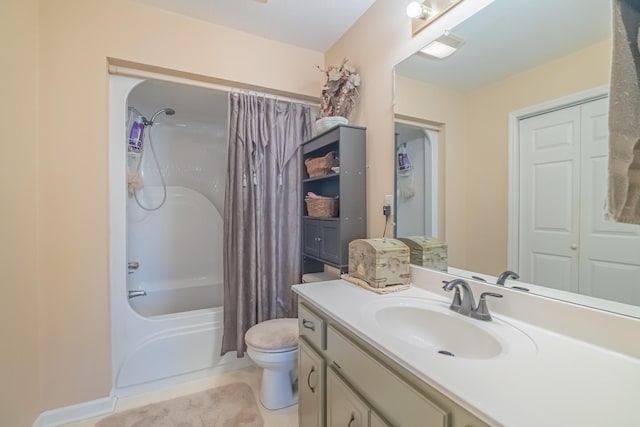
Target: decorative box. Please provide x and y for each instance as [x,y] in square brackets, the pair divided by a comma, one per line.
[427,252]
[379,262]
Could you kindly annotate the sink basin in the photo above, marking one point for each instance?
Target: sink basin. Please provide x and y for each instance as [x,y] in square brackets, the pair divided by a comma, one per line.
[450,335]
[428,325]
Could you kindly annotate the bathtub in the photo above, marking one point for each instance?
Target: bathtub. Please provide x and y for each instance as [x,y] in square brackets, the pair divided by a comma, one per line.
[169,301]
[176,328]
[173,332]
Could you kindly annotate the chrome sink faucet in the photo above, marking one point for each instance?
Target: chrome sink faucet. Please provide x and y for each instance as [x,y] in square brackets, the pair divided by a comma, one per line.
[466,305]
[506,275]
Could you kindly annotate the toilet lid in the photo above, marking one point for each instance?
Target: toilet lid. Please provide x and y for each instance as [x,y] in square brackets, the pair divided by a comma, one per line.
[273,335]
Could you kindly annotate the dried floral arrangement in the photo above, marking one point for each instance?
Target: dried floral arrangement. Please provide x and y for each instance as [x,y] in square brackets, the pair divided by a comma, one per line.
[340,90]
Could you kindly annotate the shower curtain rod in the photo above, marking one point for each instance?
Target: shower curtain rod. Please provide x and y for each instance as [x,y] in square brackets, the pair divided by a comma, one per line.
[210,83]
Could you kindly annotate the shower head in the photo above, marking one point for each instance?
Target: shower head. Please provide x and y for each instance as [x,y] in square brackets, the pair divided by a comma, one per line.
[167,111]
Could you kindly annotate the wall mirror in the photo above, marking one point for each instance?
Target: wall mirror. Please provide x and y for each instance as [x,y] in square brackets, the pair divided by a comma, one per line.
[515,125]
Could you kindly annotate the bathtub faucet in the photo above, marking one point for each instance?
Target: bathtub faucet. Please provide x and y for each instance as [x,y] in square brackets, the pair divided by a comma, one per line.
[132,266]
[133,294]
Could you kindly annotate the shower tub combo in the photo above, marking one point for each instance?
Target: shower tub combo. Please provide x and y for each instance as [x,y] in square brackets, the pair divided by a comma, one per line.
[166,234]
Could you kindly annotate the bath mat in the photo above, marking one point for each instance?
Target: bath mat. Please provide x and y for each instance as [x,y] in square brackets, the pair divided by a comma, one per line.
[231,405]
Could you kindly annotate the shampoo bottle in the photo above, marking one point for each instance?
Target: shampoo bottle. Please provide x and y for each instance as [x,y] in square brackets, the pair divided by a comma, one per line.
[136,134]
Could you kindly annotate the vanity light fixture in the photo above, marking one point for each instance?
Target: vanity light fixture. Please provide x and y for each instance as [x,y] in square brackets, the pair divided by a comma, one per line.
[423,13]
[443,46]
[418,10]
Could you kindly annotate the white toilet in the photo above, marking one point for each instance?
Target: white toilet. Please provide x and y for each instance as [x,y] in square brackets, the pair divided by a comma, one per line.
[273,346]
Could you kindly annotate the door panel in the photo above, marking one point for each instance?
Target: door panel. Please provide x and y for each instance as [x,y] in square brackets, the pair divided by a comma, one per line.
[549,198]
[609,251]
[311,238]
[330,242]
[344,407]
[311,379]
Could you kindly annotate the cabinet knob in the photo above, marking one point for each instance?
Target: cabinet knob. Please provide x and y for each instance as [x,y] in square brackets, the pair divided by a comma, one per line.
[574,246]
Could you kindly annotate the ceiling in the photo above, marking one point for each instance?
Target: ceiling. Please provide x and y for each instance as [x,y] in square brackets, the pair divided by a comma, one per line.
[508,37]
[311,24]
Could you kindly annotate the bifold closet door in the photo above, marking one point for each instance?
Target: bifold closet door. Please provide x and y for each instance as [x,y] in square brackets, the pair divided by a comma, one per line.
[550,199]
[566,240]
[609,251]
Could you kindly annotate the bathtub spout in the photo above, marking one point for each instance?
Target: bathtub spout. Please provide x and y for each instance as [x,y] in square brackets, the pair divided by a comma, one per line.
[133,294]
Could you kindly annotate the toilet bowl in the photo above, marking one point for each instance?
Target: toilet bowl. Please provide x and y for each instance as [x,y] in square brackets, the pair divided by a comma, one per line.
[273,346]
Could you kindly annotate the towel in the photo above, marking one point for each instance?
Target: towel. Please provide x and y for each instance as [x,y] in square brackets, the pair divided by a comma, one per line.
[624,114]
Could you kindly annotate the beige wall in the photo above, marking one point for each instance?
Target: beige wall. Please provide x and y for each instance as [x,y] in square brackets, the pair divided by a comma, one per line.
[19,387]
[379,40]
[76,37]
[487,143]
[445,108]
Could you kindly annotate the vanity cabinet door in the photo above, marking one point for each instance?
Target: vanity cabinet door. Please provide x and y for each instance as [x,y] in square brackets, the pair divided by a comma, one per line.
[398,401]
[344,407]
[377,421]
[311,379]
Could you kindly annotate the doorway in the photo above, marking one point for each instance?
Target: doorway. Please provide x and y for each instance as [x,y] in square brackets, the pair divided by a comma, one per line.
[416,176]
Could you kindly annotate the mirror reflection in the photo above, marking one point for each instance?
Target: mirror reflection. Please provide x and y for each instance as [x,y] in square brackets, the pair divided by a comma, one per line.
[506,153]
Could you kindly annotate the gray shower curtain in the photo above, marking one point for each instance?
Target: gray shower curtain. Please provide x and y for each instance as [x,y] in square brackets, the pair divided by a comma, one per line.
[262,214]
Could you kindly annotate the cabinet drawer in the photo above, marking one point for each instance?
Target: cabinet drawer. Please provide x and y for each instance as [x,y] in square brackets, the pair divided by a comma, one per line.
[312,327]
[397,401]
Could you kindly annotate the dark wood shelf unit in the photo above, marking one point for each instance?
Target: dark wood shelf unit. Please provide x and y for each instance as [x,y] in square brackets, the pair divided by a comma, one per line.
[326,240]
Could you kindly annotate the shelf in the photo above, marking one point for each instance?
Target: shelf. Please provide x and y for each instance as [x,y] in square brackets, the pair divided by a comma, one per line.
[324,261]
[321,178]
[333,218]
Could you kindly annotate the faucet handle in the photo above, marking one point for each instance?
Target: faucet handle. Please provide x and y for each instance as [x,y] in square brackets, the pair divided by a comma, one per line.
[482,312]
[456,302]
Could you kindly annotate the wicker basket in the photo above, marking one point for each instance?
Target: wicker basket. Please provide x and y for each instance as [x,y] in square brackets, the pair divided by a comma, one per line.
[320,166]
[322,207]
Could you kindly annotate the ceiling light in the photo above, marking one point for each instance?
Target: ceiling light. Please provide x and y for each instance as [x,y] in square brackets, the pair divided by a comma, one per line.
[443,46]
[418,10]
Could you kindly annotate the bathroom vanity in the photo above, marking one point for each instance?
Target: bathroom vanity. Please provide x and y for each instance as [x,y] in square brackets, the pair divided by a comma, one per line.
[405,359]
[350,383]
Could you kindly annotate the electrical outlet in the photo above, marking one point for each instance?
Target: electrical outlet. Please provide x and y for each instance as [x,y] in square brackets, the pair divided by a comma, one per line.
[388,201]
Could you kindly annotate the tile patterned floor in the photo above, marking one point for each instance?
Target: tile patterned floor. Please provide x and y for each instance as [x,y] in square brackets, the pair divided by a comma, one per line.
[287,417]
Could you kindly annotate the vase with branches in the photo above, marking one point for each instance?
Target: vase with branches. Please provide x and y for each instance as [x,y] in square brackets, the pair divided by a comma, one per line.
[340,90]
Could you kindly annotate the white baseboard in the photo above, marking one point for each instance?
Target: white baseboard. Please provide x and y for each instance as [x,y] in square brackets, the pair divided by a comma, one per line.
[81,411]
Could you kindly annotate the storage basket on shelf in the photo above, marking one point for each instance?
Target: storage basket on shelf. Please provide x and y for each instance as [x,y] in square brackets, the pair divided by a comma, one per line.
[322,207]
[321,166]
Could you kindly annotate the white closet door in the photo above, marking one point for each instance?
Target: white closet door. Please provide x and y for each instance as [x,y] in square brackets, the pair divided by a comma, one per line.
[609,251]
[549,199]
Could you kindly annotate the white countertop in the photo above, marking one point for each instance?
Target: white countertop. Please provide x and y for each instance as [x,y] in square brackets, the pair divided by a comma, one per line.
[556,381]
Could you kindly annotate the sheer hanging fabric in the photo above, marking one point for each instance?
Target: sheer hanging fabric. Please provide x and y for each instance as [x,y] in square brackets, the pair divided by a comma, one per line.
[262,215]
